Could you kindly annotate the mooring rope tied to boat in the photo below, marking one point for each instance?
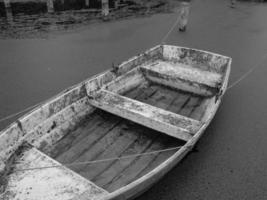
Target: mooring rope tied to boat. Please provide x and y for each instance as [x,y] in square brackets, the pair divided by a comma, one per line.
[170,31]
[99,161]
[247,73]
[18,113]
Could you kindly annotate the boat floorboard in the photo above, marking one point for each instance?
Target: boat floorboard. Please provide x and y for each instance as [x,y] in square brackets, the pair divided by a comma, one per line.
[103,135]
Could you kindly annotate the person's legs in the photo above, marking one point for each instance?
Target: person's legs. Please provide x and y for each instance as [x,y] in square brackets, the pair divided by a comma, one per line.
[182,29]
[233,2]
[184,13]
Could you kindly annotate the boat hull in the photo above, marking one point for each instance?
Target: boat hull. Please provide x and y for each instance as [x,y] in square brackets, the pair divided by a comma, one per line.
[56,129]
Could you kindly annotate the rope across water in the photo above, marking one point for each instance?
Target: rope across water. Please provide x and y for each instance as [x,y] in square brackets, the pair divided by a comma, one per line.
[102,160]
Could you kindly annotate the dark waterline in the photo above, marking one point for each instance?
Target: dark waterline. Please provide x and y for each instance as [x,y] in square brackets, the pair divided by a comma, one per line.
[231,161]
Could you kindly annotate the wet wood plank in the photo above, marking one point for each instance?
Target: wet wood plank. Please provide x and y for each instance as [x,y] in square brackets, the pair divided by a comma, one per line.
[93,138]
[124,138]
[125,141]
[95,126]
[190,105]
[88,125]
[142,145]
[131,172]
[176,106]
[109,147]
[112,144]
[139,146]
[179,103]
[199,111]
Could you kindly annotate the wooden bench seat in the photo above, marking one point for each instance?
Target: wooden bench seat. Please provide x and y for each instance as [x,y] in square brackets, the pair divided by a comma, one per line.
[28,180]
[183,77]
[158,119]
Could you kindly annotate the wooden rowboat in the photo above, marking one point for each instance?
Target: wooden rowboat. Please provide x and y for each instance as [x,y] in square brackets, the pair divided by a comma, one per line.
[115,134]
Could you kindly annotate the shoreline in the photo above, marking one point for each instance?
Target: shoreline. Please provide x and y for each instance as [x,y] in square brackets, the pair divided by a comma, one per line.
[43,24]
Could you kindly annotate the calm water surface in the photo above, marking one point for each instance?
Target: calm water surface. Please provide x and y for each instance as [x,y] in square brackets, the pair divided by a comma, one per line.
[231,158]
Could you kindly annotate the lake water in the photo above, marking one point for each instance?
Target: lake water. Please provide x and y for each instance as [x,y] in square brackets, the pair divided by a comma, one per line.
[230,161]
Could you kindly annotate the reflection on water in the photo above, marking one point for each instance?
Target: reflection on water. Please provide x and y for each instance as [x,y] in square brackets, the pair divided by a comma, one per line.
[32,19]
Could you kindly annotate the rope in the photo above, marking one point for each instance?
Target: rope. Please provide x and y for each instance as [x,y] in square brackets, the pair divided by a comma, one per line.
[170,31]
[18,113]
[99,161]
[247,73]
[29,108]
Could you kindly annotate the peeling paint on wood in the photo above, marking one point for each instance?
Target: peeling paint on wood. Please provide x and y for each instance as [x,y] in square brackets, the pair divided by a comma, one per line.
[144,114]
[195,58]
[186,73]
[48,183]
[183,77]
[126,82]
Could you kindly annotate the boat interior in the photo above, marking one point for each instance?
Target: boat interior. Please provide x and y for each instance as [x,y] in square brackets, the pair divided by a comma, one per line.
[108,133]
[154,106]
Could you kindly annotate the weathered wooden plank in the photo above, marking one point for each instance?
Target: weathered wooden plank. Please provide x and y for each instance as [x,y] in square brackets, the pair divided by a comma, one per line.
[166,99]
[183,77]
[146,139]
[130,173]
[97,147]
[178,103]
[150,116]
[148,92]
[144,165]
[90,123]
[163,98]
[94,151]
[196,58]
[188,108]
[96,126]
[156,161]
[126,82]
[185,72]
[123,141]
[179,84]
[180,99]
[139,146]
[199,111]
[58,183]
[130,136]
[94,136]
[161,157]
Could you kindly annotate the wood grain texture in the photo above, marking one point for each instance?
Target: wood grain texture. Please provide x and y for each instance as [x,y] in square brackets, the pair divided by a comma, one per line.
[103,135]
[152,117]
